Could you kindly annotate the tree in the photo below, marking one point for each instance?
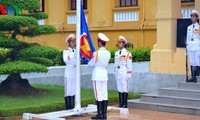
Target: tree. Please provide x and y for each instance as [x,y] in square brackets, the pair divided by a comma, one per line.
[21,57]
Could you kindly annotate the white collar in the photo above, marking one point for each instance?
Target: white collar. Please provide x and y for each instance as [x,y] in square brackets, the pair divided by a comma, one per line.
[124,49]
[102,48]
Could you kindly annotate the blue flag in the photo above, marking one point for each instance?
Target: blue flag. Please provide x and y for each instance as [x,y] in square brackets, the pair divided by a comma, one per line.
[86,44]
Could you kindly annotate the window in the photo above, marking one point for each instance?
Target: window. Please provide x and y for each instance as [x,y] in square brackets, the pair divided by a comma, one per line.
[184,1]
[127,3]
[73,4]
[41,9]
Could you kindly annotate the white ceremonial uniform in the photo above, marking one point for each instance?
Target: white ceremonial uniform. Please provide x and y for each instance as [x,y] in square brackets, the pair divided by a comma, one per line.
[193,44]
[70,71]
[100,76]
[123,69]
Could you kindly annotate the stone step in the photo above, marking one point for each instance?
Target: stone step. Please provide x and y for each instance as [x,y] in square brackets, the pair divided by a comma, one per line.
[164,107]
[179,92]
[198,79]
[190,86]
[173,100]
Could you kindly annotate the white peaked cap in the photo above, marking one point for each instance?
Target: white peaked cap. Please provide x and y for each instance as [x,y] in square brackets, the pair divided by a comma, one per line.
[70,37]
[195,12]
[103,37]
[123,39]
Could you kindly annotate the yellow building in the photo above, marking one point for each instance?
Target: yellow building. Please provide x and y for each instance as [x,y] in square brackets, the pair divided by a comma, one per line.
[134,19]
[145,23]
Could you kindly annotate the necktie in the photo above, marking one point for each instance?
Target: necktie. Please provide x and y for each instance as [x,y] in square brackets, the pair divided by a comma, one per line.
[193,26]
[72,50]
[120,52]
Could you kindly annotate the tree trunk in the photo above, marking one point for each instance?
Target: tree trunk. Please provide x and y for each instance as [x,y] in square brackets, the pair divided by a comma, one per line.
[14,85]
[14,35]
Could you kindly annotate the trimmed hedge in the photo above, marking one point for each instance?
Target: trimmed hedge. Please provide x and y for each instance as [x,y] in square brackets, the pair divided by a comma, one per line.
[39,15]
[21,67]
[3,55]
[59,59]
[139,55]
[39,51]
[39,30]
[10,23]
[6,42]
[22,4]
[40,60]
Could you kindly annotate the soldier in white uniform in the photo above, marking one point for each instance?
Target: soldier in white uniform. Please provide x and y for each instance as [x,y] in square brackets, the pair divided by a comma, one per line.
[123,71]
[193,45]
[100,77]
[69,57]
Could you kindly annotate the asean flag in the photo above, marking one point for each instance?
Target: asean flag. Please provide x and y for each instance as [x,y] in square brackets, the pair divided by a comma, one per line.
[86,44]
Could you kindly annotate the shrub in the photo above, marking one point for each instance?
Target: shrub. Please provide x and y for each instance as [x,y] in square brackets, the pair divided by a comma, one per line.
[40,60]
[3,55]
[112,52]
[6,42]
[39,51]
[140,54]
[137,54]
[21,67]
[59,59]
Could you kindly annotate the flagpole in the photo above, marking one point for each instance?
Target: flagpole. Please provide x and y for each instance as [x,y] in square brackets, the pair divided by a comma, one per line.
[78,24]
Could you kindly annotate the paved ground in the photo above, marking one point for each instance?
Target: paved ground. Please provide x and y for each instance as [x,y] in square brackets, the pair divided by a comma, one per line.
[134,114]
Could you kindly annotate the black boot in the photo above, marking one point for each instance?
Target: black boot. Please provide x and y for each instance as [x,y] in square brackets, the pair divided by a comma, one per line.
[104,107]
[195,74]
[125,100]
[99,111]
[198,70]
[121,102]
[192,74]
[67,102]
[72,102]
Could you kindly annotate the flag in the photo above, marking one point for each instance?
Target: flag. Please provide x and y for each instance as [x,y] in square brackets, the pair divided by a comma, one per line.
[86,44]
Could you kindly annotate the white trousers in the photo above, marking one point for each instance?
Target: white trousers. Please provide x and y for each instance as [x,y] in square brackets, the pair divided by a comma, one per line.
[194,57]
[70,86]
[100,90]
[122,85]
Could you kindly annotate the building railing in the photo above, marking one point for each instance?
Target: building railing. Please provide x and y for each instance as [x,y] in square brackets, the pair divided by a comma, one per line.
[126,16]
[71,18]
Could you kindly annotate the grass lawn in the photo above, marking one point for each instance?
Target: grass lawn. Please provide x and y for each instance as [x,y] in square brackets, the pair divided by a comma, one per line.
[53,101]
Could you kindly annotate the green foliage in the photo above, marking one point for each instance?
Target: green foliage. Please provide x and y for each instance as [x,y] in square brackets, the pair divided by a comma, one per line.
[10,23]
[25,25]
[59,59]
[39,30]
[3,55]
[21,67]
[139,55]
[40,60]
[112,60]
[6,42]
[22,4]
[112,52]
[39,51]
[53,101]
[39,15]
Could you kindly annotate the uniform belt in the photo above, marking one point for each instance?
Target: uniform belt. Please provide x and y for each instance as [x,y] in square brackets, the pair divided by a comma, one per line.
[100,68]
[71,66]
[118,67]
